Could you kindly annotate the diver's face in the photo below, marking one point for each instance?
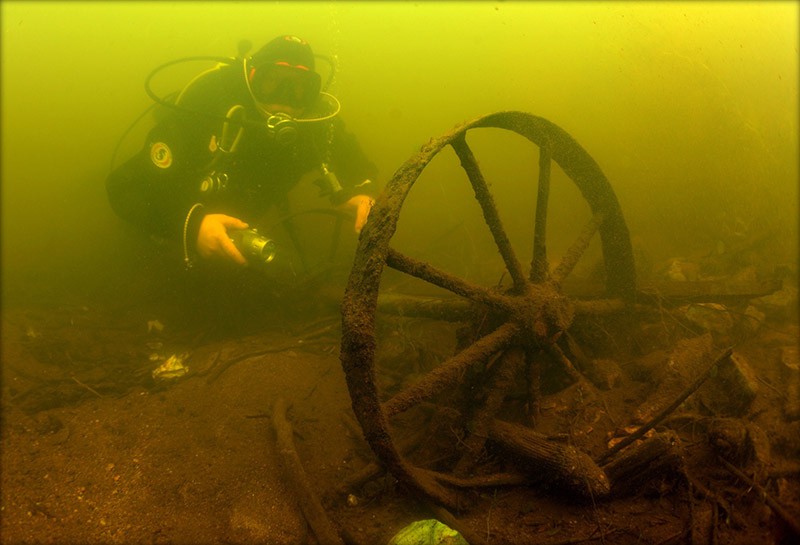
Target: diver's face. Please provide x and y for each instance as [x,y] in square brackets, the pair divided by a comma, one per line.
[284,89]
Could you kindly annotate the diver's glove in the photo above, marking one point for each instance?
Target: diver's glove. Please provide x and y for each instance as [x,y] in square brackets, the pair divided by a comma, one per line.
[362,205]
[213,240]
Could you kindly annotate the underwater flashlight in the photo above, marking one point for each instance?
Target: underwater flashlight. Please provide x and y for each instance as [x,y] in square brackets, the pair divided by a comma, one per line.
[253,245]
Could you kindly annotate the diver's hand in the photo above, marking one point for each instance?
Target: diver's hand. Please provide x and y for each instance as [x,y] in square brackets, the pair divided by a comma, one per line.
[213,239]
[363,204]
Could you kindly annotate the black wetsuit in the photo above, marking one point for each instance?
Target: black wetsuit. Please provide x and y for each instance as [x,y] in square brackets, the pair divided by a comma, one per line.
[158,187]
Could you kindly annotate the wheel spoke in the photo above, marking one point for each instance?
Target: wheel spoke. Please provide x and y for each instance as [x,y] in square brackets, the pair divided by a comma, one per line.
[556,353]
[574,253]
[502,381]
[604,306]
[539,261]
[449,371]
[577,352]
[485,199]
[432,275]
[450,310]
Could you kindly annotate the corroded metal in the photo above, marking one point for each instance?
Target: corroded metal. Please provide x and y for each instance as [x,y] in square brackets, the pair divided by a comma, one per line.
[490,214]
[577,249]
[432,275]
[535,311]
[449,371]
[426,307]
[539,260]
[584,172]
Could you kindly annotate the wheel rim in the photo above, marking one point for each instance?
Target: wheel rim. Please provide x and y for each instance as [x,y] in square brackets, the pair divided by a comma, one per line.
[535,310]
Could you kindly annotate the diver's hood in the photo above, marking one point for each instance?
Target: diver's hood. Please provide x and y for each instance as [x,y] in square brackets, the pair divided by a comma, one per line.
[324,108]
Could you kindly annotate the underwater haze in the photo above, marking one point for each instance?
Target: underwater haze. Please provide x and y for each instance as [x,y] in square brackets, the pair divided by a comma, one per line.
[689,108]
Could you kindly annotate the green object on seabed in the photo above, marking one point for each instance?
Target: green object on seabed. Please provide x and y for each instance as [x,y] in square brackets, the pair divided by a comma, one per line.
[427,532]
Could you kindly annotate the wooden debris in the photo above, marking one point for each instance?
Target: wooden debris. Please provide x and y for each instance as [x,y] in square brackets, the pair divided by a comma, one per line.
[561,464]
[308,501]
[676,372]
[656,457]
[790,519]
[669,408]
[500,384]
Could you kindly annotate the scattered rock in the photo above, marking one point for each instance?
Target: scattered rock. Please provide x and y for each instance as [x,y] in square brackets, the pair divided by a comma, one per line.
[709,316]
[683,365]
[752,319]
[732,390]
[739,442]
[604,373]
[782,303]
[679,269]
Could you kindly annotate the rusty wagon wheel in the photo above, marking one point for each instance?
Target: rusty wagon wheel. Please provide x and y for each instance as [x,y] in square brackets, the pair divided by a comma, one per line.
[527,318]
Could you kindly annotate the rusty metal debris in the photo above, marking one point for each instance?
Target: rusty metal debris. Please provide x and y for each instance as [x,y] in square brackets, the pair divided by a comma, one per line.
[510,332]
[527,318]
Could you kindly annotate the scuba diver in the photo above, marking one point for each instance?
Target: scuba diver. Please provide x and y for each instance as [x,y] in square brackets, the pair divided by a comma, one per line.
[232,144]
